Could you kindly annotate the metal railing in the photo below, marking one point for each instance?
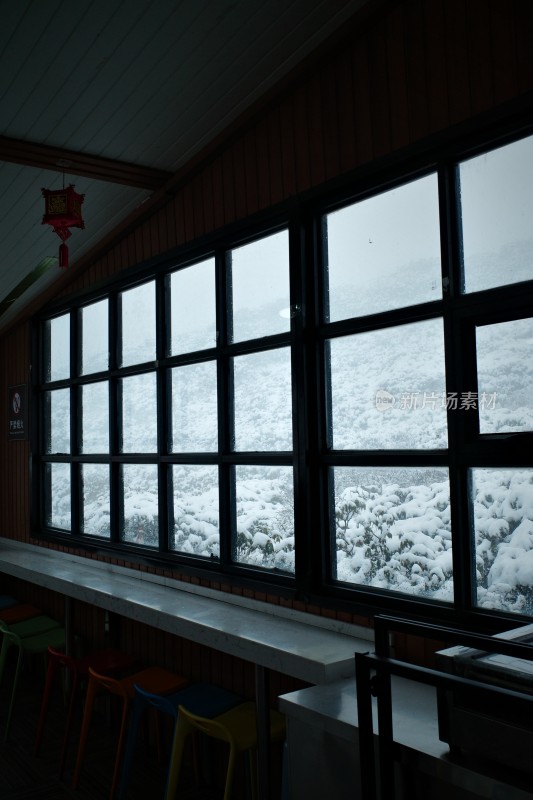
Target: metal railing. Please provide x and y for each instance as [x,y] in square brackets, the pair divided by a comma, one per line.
[373,679]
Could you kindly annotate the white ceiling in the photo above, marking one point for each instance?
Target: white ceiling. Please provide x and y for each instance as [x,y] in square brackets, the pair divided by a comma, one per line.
[145,83]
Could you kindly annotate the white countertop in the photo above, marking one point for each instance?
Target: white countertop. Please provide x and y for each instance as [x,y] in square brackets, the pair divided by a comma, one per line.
[333,708]
[292,643]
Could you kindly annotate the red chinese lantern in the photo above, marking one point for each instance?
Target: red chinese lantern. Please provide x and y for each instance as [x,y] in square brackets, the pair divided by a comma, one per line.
[63,211]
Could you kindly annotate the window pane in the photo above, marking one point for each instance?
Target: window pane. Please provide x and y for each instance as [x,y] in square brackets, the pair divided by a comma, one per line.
[497,208]
[57,421]
[57,496]
[139,414]
[502,513]
[140,504]
[57,348]
[138,324]
[505,376]
[392,530]
[388,389]
[384,252]
[196,513]
[192,308]
[263,406]
[265,517]
[260,287]
[95,500]
[95,338]
[95,418]
[194,408]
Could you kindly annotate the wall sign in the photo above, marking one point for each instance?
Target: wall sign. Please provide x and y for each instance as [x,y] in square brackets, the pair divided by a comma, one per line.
[17,411]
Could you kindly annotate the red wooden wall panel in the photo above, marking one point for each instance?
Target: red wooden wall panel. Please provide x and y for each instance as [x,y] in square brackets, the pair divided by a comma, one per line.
[437,74]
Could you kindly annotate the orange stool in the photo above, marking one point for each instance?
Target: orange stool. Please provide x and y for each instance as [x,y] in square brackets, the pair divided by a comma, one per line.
[153,679]
[108,661]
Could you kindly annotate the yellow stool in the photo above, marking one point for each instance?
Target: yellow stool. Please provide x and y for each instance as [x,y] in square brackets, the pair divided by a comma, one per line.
[152,679]
[237,727]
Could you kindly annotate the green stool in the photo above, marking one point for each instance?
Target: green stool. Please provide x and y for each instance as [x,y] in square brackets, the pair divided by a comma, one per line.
[32,645]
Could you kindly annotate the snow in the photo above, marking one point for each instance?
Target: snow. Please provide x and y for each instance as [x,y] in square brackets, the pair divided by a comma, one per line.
[392,526]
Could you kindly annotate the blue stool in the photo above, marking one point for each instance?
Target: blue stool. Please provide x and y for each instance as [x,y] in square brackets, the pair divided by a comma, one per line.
[6,601]
[203,699]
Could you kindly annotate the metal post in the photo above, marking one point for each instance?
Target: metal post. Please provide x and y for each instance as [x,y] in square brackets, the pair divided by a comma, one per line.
[382,686]
[367,765]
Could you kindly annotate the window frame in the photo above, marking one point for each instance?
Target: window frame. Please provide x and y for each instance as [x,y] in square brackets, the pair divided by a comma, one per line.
[311,459]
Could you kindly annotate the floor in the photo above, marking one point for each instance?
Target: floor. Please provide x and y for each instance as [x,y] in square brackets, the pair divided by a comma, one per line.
[25,777]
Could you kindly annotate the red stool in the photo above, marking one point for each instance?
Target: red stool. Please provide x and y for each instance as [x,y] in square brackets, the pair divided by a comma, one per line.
[109,662]
[153,679]
[19,613]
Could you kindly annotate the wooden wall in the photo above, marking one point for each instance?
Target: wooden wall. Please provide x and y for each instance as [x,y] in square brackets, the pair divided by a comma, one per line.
[414,69]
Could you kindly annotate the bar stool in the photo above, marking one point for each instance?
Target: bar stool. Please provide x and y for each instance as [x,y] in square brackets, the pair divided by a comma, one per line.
[202,698]
[19,613]
[237,727]
[22,629]
[109,661]
[154,679]
[6,601]
[30,645]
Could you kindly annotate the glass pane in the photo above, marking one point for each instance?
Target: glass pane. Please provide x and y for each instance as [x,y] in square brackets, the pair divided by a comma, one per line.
[196,513]
[260,287]
[388,389]
[263,406]
[193,308]
[384,252]
[95,338]
[138,325]
[502,514]
[95,418]
[505,376]
[139,414]
[265,517]
[497,208]
[194,408]
[96,505]
[57,496]
[392,529]
[57,421]
[57,348]
[140,504]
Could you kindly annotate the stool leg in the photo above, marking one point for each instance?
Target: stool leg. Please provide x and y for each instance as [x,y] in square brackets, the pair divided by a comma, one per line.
[68,725]
[120,746]
[137,711]
[85,725]
[252,760]
[181,732]
[229,774]
[6,644]
[52,668]
[13,690]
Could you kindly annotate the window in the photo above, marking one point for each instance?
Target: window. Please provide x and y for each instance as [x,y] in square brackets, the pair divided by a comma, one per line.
[166,444]
[341,404]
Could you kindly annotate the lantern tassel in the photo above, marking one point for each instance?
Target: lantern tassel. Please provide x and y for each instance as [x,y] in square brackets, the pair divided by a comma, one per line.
[63,255]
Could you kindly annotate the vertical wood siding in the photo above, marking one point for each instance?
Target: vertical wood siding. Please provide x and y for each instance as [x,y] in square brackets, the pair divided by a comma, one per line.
[415,69]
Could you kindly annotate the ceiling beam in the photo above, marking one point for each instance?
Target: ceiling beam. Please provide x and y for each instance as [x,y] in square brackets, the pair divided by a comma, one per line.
[32,154]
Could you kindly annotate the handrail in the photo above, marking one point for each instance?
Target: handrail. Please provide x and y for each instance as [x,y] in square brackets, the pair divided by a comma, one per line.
[373,678]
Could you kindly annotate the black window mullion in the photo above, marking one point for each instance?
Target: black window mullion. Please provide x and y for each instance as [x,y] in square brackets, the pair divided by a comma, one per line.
[226,424]
[457,355]
[75,421]
[163,438]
